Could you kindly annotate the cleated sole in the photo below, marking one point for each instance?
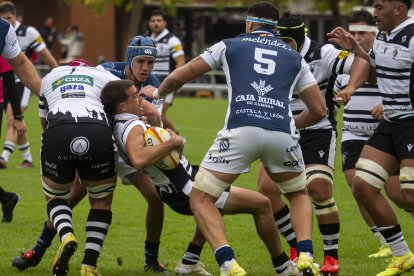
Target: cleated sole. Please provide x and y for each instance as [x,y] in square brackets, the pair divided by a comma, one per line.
[61,266]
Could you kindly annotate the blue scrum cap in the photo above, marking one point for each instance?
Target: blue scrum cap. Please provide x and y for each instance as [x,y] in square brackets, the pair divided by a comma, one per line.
[141,46]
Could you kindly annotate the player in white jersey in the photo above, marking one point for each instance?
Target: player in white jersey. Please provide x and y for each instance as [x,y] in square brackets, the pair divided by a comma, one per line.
[77,140]
[120,99]
[262,72]
[170,55]
[390,146]
[30,42]
[317,142]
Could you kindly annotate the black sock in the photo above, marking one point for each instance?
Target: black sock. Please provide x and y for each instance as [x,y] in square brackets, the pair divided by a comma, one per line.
[4,196]
[280,263]
[151,251]
[192,254]
[44,240]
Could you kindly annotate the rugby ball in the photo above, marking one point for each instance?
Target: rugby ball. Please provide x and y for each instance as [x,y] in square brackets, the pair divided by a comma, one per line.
[156,136]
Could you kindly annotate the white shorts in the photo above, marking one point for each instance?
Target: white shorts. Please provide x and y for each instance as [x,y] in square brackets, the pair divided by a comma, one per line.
[236,149]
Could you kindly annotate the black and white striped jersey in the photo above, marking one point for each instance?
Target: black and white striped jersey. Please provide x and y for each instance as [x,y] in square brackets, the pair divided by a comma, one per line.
[325,62]
[168,182]
[358,121]
[168,47]
[393,56]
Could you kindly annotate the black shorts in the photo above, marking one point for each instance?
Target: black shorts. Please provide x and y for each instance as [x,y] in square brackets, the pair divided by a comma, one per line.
[318,146]
[88,148]
[351,150]
[396,138]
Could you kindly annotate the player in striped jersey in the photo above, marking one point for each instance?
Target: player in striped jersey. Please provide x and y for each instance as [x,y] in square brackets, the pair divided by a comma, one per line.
[169,57]
[317,142]
[361,115]
[390,146]
[121,100]
[30,41]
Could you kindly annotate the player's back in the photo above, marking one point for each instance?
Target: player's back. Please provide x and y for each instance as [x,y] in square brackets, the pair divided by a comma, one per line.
[72,94]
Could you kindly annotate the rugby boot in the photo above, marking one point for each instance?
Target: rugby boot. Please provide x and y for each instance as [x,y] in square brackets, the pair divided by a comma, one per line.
[293,254]
[25,164]
[3,163]
[399,265]
[306,266]
[197,268]
[8,208]
[156,266]
[291,270]
[383,252]
[330,266]
[30,258]
[66,250]
[235,270]
[86,270]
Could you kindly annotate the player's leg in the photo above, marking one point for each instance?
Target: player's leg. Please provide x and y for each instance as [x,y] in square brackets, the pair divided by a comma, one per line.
[154,221]
[190,263]
[373,167]
[281,211]
[11,139]
[32,257]
[241,200]
[99,176]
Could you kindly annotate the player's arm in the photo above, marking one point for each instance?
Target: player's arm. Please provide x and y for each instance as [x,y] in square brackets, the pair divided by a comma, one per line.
[151,113]
[179,61]
[315,109]
[309,93]
[26,72]
[142,156]
[48,58]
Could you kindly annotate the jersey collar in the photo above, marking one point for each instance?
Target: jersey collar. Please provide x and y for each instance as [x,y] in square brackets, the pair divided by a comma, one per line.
[397,29]
[161,35]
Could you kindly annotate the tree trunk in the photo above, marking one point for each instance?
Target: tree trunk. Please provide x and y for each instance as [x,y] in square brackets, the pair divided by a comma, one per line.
[336,15]
[135,18]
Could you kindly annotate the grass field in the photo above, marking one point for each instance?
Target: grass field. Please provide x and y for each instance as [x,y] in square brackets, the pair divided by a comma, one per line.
[198,120]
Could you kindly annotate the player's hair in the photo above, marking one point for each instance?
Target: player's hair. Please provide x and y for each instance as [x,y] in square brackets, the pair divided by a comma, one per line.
[264,10]
[113,93]
[291,25]
[407,3]
[7,6]
[362,15]
[158,13]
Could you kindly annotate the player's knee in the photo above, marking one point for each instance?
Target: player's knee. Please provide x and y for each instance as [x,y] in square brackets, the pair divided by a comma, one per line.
[371,173]
[319,173]
[53,193]
[294,184]
[263,205]
[209,183]
[325,207]
[101,191]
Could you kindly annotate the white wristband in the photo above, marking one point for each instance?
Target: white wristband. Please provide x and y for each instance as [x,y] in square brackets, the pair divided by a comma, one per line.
[155,94]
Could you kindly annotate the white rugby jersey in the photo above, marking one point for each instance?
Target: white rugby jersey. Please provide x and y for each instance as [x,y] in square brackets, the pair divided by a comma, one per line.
[358,121]
[9,46]
[72,95]
[325,62]
[123,124]
[393,57]
[168,47]
[29,39]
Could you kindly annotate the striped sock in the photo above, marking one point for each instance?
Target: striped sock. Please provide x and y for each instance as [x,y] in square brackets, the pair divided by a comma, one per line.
[97,227]
[395,239]
[282,219]
[25,151]
[60,215]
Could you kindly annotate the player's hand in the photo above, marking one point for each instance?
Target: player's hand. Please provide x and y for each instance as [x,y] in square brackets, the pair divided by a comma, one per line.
[147,91]
[19,127]
[378,112]
[179,141]
[344,39]
[343,96]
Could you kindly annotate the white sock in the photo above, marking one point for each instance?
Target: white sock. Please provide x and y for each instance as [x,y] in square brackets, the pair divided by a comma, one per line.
[7,150]
[25,151]
[225,268]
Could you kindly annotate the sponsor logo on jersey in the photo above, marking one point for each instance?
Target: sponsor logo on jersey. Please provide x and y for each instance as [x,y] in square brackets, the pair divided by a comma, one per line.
[79,145]
[266,41]
[224,144]
[80,79]
[216,160]
[262,89]
[343,54]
